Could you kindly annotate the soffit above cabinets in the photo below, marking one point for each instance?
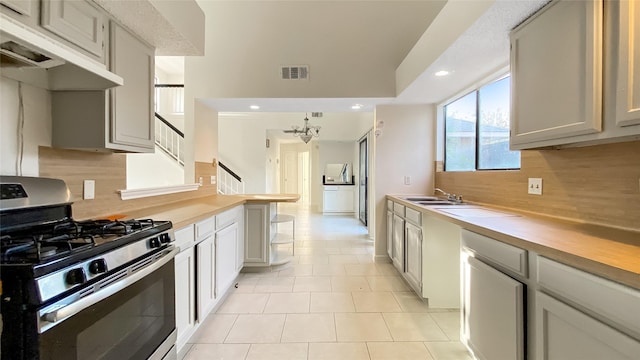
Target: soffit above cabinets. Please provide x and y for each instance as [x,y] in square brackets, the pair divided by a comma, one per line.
[174,28]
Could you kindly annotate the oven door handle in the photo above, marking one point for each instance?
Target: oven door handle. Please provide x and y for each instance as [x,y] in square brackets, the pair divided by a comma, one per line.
[77,306]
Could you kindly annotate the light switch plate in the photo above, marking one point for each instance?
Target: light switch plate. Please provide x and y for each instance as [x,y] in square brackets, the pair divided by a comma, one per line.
[407,180]
[213,179]
[535,186]
[89,190]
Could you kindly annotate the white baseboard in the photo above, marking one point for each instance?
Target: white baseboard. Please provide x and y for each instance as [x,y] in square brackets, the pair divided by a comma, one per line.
[382,259]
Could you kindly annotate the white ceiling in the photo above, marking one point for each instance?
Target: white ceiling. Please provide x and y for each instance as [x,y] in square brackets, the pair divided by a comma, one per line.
[482,50]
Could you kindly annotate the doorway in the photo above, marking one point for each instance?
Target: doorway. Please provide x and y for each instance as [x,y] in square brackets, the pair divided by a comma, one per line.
[296,170]
[303,176]
[363,182]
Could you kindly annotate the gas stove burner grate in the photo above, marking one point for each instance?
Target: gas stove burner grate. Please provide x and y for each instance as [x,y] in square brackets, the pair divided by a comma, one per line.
[115,227]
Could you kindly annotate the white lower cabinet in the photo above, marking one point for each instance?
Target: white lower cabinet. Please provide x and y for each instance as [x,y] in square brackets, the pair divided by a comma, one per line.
[206,276]
[426,252]
[493,298]
[338,199]
[390,234]
[185,295]
[493,312]
[257,230]
[398,243]
[226,246]
[413,256]
[185,273]
[565,333]
[582,316]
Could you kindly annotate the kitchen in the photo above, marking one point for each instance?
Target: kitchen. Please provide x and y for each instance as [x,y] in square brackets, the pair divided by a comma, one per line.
[570,192]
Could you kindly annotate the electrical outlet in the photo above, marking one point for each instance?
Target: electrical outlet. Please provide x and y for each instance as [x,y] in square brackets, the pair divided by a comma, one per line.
[200,181]
[535,186]
[89,190]
[407,180]
[213,179]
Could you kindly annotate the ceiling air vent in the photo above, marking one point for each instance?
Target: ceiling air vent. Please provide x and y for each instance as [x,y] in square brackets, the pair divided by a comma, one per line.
[297,72]
[316,114]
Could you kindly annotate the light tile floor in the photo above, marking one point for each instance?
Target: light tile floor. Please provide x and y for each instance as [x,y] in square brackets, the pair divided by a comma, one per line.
[331,302]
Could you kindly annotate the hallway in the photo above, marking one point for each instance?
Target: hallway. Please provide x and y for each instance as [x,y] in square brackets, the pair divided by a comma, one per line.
[331,302]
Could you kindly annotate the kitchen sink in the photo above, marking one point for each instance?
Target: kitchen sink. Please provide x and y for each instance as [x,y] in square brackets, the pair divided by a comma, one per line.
[436,202]
[423,198]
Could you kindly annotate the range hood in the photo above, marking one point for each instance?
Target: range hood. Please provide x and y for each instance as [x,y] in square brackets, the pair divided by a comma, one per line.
[31,57]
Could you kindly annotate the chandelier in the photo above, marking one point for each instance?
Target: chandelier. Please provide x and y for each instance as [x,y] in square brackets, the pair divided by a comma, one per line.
[306,133]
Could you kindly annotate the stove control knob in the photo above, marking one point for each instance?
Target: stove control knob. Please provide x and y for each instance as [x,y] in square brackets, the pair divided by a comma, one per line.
[155,242]
[98,266]
[165,238]
[76,276]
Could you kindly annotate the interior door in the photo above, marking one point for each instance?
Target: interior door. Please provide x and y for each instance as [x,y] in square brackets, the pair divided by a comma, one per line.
[362,184]
[290,172]
[303,176]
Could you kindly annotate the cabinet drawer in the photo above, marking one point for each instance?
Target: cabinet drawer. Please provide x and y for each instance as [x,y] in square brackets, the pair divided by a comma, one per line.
[185,237]
[616,302]
[503,255]
[226,218]
[205,228]
[398,209]
[413,216]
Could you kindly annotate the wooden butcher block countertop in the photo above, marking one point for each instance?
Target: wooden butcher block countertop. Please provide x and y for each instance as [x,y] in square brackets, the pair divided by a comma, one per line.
[188,212]
[608,252]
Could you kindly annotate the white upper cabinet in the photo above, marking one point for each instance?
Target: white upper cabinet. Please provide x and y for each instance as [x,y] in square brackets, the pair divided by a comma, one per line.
[556,71]
[628,86]
[119,119]
[132,123]
[575,78]
[76,21]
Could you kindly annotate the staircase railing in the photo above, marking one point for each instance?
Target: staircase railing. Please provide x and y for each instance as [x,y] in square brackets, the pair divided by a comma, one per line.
[228,181]
[169,139]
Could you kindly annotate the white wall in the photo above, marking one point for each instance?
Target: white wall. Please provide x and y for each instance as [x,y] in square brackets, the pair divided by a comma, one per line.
[394,159]
[36,130]
[153,170]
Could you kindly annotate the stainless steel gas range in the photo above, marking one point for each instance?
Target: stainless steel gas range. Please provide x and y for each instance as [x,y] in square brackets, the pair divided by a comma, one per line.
[96,289]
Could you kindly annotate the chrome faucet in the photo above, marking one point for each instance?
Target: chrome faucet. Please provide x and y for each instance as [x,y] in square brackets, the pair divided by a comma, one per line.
[450,197]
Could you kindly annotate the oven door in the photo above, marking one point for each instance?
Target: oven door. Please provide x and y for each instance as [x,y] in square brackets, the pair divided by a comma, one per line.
[132,318]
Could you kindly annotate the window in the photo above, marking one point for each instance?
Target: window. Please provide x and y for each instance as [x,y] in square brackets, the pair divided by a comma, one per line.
[477,130]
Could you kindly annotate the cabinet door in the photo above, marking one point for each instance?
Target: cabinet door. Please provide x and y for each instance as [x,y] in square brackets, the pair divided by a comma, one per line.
[240,241]
[331,200]
[76,21]
[556,73]
[226,247]
[564,333]
[185,295]
[493,323]
[413,255]
[206,277]
[390,234]
[398,243]
[628,86]
[132,103]
[256,229]
[345,199]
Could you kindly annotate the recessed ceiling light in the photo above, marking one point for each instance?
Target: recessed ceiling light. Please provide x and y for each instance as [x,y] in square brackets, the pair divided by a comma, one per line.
[356,106]
[254,107]
[442,73]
